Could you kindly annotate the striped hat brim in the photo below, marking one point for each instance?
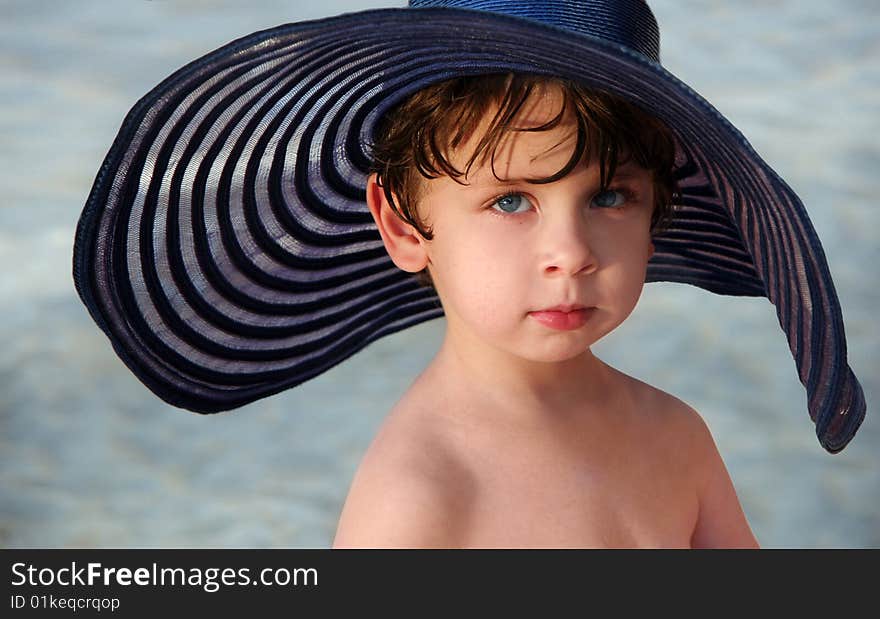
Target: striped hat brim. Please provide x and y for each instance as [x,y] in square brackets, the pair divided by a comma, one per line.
[227,251]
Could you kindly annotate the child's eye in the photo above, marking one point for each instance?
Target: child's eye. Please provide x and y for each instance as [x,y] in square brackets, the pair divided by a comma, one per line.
[512,203]
[610,198]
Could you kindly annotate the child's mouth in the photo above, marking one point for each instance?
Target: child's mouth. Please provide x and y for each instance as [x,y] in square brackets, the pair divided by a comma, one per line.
[561,320]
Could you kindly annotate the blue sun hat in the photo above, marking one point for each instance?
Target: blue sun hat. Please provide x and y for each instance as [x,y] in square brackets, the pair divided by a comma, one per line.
[227,251]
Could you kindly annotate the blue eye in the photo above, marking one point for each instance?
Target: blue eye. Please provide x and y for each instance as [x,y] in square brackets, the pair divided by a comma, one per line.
[511,203]
[610,198]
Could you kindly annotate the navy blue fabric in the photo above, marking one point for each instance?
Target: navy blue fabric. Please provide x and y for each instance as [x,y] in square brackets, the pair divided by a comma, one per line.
[227,252]
[624,22]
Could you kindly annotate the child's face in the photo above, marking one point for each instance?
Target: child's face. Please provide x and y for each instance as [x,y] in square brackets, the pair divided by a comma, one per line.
[503,251]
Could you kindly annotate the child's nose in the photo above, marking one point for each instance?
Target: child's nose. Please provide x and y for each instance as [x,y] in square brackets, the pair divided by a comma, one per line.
[566,249]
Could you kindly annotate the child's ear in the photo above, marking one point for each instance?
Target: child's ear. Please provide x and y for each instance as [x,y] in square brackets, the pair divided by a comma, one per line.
[402,240]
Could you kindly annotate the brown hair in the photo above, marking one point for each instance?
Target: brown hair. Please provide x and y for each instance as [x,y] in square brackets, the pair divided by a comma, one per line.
[413,140]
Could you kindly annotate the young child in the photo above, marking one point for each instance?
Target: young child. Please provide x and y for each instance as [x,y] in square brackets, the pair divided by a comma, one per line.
[516,434]
[262,212]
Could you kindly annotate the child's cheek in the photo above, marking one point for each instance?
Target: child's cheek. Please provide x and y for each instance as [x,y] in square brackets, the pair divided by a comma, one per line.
[624,276]
[499,268]
[487,271]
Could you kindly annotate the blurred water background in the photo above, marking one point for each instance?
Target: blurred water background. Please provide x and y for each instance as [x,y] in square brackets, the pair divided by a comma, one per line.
[90,458]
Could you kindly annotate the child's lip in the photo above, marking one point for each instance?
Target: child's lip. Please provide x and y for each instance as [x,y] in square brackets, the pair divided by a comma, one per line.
[563,308]
[563,317]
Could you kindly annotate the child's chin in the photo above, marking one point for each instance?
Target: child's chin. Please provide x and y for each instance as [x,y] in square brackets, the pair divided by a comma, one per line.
[558,352]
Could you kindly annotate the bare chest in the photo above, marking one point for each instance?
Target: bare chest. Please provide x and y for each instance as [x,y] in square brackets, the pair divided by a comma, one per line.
[620,501]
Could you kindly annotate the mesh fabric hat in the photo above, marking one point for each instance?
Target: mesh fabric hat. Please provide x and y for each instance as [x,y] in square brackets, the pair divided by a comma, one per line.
[227,251]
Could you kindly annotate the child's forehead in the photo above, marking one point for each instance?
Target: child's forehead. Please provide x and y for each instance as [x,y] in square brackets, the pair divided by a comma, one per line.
[522,153]
[544,104]
[525,155]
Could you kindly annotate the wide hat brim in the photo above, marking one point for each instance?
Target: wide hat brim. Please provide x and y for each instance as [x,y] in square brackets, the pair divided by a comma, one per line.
[227,251]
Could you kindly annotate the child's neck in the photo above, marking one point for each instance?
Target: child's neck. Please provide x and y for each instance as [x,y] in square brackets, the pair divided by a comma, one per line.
[522,387]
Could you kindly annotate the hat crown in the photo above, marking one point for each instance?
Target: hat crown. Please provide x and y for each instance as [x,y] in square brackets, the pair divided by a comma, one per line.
[624,22]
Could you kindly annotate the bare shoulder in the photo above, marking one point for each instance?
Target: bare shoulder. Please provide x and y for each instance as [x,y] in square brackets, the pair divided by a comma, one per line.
[406,490]
[692,436]
[668,417]
[721,522]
